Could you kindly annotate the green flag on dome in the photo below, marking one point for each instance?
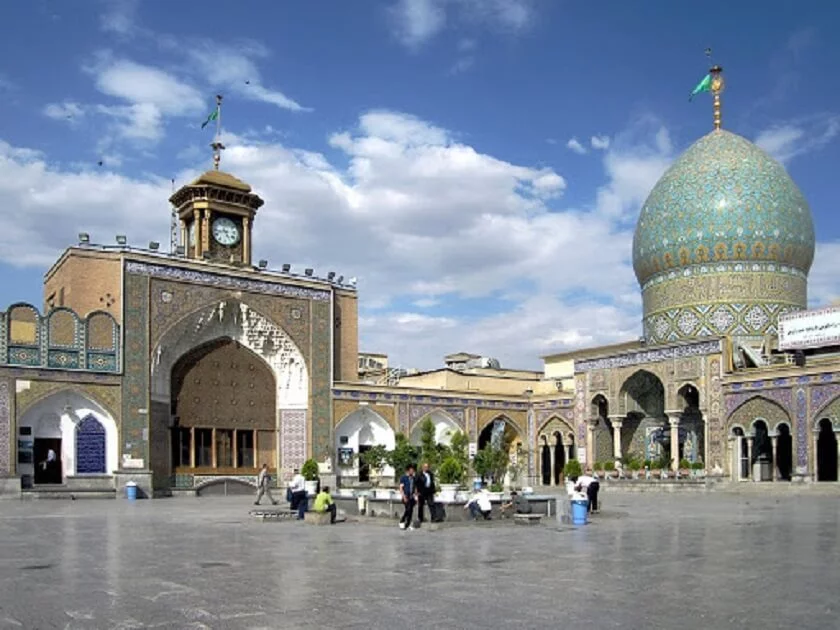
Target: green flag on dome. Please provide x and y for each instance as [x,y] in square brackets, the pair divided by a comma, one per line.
[704,86]
[213,116]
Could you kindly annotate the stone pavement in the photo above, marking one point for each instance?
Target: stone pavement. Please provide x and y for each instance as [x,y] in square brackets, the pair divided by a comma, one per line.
[649,561]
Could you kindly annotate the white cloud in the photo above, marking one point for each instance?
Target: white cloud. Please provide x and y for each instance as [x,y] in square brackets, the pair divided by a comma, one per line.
[823,284]
[423,220]
[119,16]
[68,111]
[786,141]
[575,145]
[147,85]
[233,67]
[600,143]
[418,21]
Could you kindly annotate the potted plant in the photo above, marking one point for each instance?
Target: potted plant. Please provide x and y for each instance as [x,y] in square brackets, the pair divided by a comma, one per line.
[610,471]
[633,467]
[646,466]
[496,491]
[698,469]
[310,472]
[450,474]
[685,468]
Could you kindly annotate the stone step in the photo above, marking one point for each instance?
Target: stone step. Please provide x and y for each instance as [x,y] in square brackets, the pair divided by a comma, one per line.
[66,493]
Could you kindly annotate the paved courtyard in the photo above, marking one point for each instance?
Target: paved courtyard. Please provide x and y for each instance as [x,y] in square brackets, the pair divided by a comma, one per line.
[663,561]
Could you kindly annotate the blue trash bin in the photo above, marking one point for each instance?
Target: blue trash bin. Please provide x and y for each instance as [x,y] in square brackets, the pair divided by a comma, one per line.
[580,511]
[477,484]
[131,491]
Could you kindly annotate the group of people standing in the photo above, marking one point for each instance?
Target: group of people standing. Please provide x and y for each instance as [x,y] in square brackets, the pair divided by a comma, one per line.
[418,489]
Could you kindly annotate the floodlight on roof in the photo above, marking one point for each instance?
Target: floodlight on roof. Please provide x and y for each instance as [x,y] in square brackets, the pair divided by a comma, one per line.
[154,246]
[180,250]
[331,275]
[84,238]
[286,267]
[121,239]
[309,271]
[263,264]
[340,279]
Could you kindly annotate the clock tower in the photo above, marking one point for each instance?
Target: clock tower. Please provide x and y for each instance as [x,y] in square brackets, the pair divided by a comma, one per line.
[217,210]
[216,213]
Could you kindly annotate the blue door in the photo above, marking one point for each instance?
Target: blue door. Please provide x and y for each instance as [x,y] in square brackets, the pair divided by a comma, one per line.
[90,447]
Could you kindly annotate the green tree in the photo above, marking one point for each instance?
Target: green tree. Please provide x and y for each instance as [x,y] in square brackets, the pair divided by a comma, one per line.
[428,446]
[491,463]
[459,448]
[404,453]
[451,471]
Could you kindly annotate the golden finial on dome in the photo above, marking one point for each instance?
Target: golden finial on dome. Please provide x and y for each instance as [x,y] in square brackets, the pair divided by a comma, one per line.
[712,82]
[717,87]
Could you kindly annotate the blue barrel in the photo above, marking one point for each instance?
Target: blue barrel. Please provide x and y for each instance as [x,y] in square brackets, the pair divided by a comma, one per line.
[477,484]
[131,491]
[580,511]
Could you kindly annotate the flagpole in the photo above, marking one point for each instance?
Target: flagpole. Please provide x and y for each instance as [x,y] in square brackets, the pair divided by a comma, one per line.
[217,145]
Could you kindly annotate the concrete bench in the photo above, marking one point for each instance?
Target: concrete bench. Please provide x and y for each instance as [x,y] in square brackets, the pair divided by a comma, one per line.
[317,518]
[527,519]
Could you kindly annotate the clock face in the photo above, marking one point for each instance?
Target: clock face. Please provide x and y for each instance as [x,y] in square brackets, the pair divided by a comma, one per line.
[225,231]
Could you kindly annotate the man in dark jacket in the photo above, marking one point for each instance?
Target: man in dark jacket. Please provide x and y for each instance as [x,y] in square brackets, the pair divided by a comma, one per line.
[425,492]
[408,491]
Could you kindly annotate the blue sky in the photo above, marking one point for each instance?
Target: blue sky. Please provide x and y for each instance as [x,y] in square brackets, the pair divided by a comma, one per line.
[478,164]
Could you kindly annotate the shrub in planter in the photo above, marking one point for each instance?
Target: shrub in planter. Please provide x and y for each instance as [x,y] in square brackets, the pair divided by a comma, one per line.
[697,466]
[450,471]
[685,464]
[310,470]
[496,487]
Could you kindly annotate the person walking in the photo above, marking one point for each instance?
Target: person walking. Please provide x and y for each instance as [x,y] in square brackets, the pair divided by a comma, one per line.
[264,486]
[409,494]
[425,493]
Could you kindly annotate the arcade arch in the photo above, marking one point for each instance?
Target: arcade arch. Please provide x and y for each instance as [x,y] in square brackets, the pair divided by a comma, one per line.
[445,428]
[761,441]
[502,432]
[640,424]
[79,431]
[235,325]
[555,446]
[357,433]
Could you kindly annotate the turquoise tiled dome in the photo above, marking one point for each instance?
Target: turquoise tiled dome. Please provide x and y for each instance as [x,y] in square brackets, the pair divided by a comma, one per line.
[723,245]
[724,199]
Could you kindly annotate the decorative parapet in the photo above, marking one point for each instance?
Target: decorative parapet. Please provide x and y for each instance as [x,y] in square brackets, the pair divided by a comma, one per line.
[59,340]
[649,355]
[394,395]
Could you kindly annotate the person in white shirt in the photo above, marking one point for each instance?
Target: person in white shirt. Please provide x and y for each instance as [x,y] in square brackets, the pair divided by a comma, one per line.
[51,457]
[264,486]
[479,504]
[298,497]
[589,484]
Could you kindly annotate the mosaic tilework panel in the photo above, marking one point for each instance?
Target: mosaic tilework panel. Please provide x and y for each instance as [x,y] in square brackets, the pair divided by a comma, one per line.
[292,438]
[135,399]
[821,397]
[642,357]
[801,431]
[320,377]
[766,219]
[714,320]
[226,282]
[5,427]
[717,433]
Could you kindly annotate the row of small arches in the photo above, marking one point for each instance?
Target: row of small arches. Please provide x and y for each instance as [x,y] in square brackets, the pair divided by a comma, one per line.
[64,328]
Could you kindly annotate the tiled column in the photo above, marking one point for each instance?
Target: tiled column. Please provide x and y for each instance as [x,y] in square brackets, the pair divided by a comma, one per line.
[617,423]
[774,439]
[591,423]
[674,420]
